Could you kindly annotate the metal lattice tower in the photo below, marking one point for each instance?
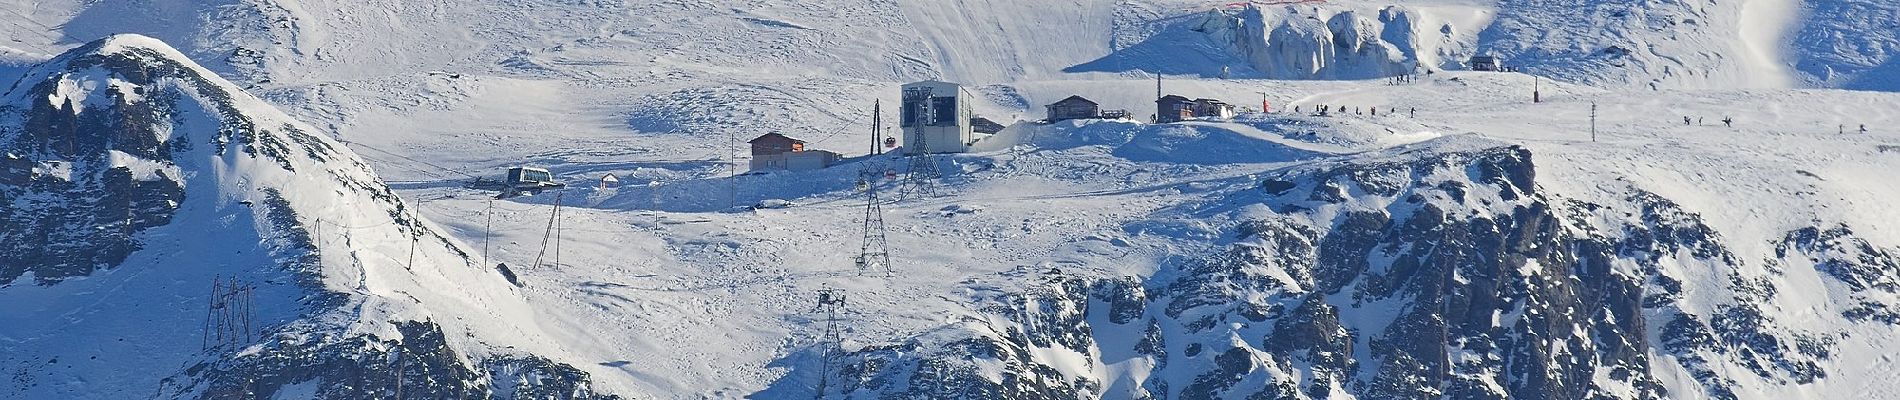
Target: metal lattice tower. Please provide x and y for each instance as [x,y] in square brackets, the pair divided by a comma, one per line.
[831,345]
[875,253]
[229,317]
[921,176]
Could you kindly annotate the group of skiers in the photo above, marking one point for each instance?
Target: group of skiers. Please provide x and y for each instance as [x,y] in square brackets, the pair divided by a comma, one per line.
[1326,111]
[1726,121]
[1401,79]
[1730,122]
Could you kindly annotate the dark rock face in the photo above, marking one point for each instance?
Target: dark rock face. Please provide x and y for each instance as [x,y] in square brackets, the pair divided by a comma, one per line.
[1432,274]
[987,360]
[78,214]
[1864,269]
[80,180]
[418,365]
[1456,285]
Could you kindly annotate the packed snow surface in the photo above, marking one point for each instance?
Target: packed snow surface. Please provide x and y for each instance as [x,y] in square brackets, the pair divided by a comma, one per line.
[668,286]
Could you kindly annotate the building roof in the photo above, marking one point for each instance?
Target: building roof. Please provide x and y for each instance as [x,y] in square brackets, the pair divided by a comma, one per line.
[1173,98]
[1074,99]
[1484,58]
[932,82]
[762,137]
[1209,101]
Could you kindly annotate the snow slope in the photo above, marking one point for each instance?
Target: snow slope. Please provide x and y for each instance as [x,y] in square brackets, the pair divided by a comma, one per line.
[1107,200]
[668,288]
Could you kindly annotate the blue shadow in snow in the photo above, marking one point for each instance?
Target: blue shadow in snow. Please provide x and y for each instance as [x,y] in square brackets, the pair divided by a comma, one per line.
[1175,50]
[1207,145]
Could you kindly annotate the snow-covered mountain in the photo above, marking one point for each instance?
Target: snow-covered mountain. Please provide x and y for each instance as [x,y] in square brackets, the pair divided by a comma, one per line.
[136,179]
[1436,237]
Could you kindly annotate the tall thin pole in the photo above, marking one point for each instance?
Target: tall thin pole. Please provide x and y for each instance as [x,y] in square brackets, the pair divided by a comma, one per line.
[549,233]
[211,315]
[1537,89]
[557,228]
[877,125]
[415,237]
[1593,122]
[488,221]
[732,169]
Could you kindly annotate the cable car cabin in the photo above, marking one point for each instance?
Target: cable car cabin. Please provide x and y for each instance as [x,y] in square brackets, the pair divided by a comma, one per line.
[529,180]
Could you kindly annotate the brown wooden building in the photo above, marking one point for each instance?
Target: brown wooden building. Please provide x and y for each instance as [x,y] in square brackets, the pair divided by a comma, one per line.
[777,151]
[1173,108]
[1074,107]
[775,143]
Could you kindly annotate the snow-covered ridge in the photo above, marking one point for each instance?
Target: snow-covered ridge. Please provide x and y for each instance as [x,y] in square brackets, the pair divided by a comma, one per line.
[176,178]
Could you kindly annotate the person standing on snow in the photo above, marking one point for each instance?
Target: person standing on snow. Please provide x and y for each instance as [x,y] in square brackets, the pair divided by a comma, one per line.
[1685,120]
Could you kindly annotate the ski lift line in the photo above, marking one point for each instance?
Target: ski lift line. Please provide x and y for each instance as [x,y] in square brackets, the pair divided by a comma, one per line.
[387,223]
[432,165]
[836,132]
[425,172]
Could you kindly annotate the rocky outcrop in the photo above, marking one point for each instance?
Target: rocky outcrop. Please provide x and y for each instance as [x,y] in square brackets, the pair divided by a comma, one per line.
[1440,270]
[1313,43]
[418,364]
[122,154]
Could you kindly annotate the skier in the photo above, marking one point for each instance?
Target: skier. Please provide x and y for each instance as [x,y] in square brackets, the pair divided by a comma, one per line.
[1414,112]
[1728,121]
[1863,129]
[1375,111]
[1685,121]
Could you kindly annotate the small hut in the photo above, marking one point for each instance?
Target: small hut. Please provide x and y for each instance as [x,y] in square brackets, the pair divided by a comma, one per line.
[1213,108]
[985,126]
[1486,63]
[1173,108]
[1074,107]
